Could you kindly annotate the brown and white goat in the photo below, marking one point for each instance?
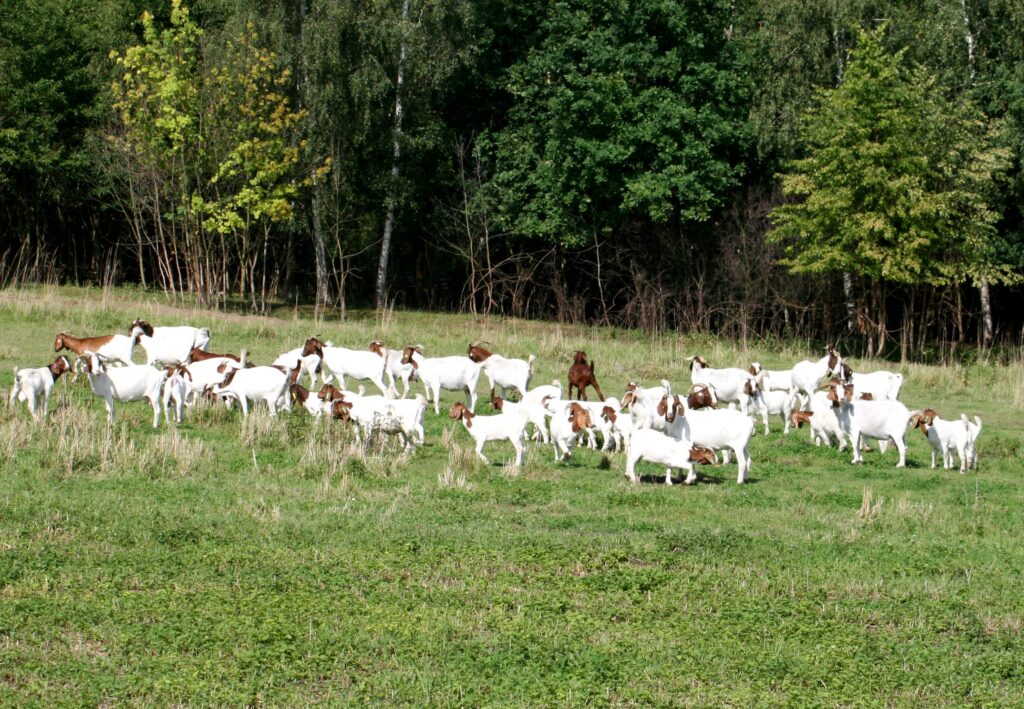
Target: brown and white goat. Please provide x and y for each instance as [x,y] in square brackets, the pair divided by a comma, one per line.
[509,374]
[111,348]
[503,427]
[33,385]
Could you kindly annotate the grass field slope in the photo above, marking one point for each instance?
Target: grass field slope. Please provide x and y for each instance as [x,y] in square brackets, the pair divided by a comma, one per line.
[272,562]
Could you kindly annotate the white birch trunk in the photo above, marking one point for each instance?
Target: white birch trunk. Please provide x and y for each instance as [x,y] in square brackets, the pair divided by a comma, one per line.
[389,221]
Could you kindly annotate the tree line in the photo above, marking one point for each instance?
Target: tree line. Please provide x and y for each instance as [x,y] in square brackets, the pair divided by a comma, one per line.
[756,169]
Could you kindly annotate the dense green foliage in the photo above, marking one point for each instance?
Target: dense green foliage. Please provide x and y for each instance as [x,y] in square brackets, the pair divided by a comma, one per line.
[896,180]
[583,159]
[269,563]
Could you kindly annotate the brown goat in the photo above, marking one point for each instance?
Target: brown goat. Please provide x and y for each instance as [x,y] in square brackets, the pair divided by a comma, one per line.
[581,375]
[199,355]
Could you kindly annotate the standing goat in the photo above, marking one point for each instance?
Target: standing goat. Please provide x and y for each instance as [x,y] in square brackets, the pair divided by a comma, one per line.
[343,362]
[139,381]
[503,427]
[169,345]
[112,348]
[509,374]
[581,375]
[450,373]
[858,418]
[807,374]
[945,437]
[33,385]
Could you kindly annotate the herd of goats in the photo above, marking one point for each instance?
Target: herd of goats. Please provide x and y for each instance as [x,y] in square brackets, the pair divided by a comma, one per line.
[651,424]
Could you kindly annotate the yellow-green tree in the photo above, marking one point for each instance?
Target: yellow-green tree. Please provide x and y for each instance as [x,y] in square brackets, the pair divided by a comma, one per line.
[216,145]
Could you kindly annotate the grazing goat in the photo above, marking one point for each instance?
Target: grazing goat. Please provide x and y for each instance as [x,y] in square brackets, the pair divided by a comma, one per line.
[342,362]
[313,404]
[509,374]
[946,437]
[503,427]
[33,385]
[169,345]
[568,420]
[112,348]
[882,420]
[450,373]
[371,415]
[656,447]
[139,381]
[807,374]
[581,375]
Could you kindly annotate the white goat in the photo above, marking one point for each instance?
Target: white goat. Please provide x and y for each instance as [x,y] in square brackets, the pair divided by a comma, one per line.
[175,389]
[536,414]
[656,447]
[881,384]
[139,381]
[450,373]
[538,394]
[777,402]
[169,345]
[643,404]
[33,385]
[503,427]
[342,362]
[882,420]
[822,420]
[269,384]
[206,374]
[397,368]
[371,415]
[773,379]
[509,374]
[621,425]
[568,421]
[734,386]
[716,429]
[946,437]
[807,374]
[310,363]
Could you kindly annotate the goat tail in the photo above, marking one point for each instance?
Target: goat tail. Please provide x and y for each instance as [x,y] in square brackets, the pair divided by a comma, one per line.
[977,422]
[530,360]
[243,358]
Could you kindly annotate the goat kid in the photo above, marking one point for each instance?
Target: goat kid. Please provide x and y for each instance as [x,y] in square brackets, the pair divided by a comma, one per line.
[255,384]
[503,427]
[945,437]
[34,384]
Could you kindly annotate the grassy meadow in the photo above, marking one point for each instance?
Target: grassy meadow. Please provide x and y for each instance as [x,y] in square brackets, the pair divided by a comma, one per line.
[272,562]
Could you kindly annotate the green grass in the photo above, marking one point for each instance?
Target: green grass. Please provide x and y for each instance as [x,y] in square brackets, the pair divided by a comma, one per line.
[273,562]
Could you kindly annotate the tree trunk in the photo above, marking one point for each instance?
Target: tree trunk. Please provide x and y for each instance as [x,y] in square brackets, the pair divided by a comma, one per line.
[323,285]
[851,302]
[987,329]
[389,221]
